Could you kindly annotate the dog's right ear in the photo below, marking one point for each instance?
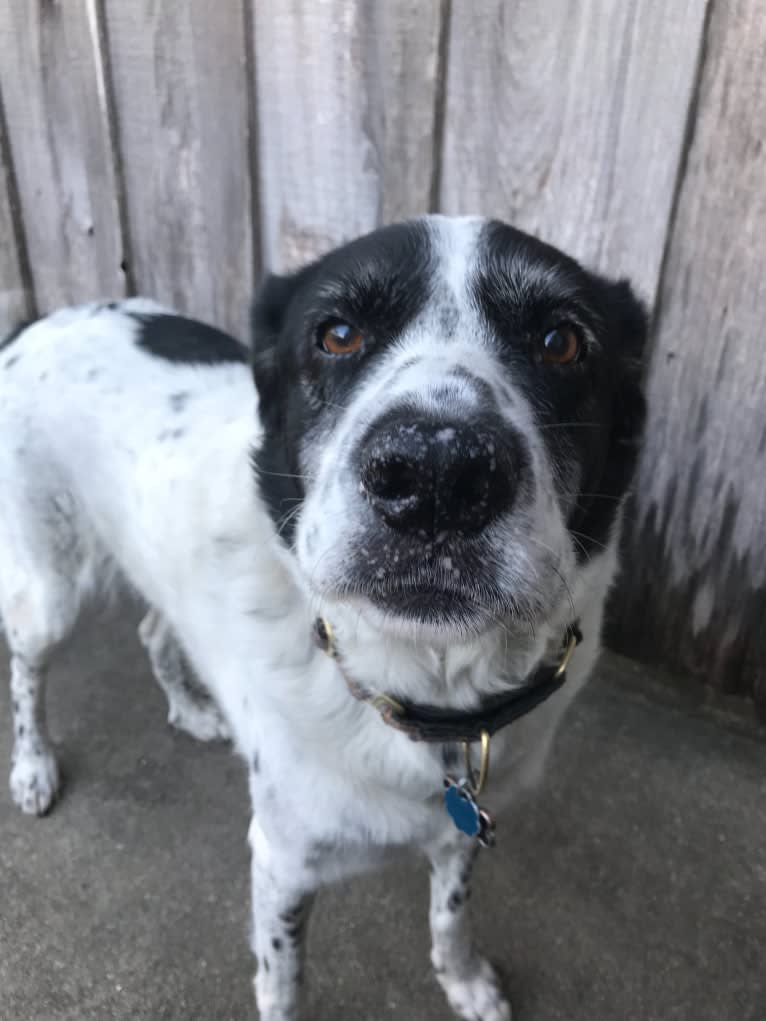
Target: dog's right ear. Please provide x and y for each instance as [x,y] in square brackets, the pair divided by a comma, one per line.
[267,316]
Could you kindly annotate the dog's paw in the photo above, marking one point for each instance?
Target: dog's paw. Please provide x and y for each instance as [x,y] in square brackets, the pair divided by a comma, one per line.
[478,997]
[273,1006]
[202,721]
[34,782]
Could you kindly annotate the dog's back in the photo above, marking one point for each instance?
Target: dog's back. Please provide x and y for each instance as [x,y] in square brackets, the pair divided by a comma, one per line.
[101,422]
[105,413]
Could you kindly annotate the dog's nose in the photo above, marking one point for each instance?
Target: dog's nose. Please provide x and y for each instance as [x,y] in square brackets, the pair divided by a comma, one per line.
[435,477]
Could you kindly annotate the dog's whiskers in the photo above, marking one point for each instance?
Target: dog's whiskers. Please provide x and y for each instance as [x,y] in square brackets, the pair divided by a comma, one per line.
[588,538]
[331,404]
[574,425]
[602,496]
[556,570]
[581,546]
[283,475]
[288,517]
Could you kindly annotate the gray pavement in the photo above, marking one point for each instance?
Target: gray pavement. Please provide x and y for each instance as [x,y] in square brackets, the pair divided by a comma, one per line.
[632,885]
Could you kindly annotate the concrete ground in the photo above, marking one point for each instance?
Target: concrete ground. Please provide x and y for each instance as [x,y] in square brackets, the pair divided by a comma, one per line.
[631,887]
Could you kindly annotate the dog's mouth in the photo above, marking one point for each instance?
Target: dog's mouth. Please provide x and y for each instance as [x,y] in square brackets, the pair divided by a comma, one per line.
[433,606]
[469,608]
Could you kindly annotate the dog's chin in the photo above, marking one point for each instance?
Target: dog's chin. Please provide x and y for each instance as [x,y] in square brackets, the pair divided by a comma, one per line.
[422,612]
[433,610]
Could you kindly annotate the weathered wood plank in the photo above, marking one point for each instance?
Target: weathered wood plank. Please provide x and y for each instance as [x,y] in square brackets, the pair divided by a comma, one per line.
[180,87]
[346,98]
[567,119]
[51,77]
[16,301]
[695,583]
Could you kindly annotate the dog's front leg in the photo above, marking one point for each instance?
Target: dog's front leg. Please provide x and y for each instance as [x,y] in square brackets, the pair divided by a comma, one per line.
[282,899]
[468,979]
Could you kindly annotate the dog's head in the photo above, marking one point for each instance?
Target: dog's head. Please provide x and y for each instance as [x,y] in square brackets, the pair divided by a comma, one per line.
[451,415]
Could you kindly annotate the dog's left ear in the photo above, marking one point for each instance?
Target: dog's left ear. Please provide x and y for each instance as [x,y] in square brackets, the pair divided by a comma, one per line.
[629,325]
[630,317]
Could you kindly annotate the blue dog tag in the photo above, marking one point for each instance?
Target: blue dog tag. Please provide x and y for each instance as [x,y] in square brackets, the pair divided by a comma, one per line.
[462,809]
[467,816]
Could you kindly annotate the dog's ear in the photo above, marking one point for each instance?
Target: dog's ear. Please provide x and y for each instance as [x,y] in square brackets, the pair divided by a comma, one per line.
[278,475]
[629,327]
[627,324]
[272,353]
[630,318]
[267,320]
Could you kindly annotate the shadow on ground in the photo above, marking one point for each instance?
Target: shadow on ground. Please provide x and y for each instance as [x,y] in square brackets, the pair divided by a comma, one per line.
[631,887]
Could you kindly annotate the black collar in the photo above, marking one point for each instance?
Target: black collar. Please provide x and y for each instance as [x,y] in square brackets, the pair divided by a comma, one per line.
[436,724]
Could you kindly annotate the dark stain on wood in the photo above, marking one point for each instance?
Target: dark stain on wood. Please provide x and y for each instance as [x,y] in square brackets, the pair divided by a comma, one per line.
[655,621]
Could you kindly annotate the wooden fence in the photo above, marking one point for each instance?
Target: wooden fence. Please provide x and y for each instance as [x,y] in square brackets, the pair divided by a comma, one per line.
[175,147]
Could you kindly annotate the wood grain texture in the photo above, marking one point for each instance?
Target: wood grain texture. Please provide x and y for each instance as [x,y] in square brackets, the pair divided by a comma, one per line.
[16,300]
[695,581]
[567,119]
[346,98]
[180,89]
[53,89]
[594,125]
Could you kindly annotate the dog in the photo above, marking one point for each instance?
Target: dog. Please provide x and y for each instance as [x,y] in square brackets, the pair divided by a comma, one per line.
[391,549]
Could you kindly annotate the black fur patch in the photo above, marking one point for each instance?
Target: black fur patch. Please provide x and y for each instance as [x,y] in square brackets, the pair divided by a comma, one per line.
[455,900]
[293,921]
[185,340]
[378,283]
[591,413]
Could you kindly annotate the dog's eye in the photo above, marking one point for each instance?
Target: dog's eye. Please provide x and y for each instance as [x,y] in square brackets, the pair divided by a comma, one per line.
[340,339]
[560,346]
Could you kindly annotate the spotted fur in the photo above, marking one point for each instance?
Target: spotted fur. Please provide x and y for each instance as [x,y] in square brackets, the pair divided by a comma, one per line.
[134,446]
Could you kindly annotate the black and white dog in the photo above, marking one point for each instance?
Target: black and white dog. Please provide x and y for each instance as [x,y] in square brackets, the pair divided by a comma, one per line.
[373,564]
